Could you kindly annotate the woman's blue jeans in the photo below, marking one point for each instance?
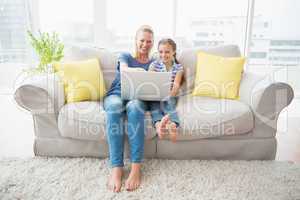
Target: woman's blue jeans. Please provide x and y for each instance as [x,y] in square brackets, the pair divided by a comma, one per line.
[116,110]
[159,109]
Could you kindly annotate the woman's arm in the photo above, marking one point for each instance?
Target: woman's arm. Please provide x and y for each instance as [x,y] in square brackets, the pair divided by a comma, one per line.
[124,66]
[132,69]
[177,83]
[123,62]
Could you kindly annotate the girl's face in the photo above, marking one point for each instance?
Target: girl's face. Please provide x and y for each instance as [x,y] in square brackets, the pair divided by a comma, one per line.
[144,42]
[166,53]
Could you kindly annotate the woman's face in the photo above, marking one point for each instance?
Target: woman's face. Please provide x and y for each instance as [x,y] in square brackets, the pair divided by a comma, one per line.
[166,53]
[144,42]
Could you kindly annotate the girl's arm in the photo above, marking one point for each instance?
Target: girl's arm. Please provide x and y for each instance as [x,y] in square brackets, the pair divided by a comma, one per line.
[151,67]
[177,83]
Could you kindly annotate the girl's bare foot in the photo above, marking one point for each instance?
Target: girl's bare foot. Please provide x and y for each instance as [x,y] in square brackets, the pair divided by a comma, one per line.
[162,128]
[115,179]
[164,121]
[161,132]
[134,179]
[173,131]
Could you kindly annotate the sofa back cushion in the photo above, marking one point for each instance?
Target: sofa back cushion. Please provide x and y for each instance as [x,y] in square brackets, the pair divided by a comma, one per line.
[188,58]
[107,59]
[83,80]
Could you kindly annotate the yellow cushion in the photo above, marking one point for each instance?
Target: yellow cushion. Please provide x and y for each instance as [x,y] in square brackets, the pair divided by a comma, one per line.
[83,80]
[218,76]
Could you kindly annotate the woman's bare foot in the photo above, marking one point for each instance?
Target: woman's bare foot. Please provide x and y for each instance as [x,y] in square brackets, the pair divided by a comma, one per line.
[134,179]
[173,131]
[115,179]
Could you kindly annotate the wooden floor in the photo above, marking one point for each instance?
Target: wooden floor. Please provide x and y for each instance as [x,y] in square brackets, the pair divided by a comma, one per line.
[16,131]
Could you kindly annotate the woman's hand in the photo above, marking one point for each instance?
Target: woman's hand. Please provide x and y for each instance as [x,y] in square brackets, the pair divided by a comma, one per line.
[133,69]
[138,69]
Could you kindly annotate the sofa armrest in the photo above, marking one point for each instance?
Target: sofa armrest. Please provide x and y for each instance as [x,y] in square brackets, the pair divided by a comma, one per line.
[40,93]
[266,98]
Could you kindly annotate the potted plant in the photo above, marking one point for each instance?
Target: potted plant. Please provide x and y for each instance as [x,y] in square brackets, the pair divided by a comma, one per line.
[49,48]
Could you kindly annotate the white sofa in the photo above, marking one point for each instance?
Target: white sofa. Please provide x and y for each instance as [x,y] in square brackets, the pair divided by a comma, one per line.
[210,128]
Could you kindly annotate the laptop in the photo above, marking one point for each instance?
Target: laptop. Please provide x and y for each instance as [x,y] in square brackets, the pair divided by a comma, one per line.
[145,85]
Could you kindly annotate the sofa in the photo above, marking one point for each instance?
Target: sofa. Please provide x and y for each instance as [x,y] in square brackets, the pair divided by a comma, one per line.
[242,129]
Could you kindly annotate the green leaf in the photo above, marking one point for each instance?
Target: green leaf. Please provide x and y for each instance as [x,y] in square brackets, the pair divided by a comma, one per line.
[48,47]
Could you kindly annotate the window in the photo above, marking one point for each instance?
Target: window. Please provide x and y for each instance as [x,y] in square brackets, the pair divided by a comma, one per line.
[202,34]
[280,42]
[285,43]
[73,20]
[216,24]
[279,32]
[258,54]
[112,23]
[13,26]
[124,17]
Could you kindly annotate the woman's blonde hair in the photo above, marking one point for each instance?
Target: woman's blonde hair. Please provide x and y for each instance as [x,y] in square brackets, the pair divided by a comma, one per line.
[143,28]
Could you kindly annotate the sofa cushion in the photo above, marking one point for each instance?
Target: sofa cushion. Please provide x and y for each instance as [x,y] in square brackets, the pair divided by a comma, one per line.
[86,120]
[205,117]
[83,80]
[107,59]
[188,58]
[218,76]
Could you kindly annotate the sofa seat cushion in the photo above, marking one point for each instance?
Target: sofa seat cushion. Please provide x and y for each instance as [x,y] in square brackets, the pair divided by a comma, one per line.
[206,117]
[86,121]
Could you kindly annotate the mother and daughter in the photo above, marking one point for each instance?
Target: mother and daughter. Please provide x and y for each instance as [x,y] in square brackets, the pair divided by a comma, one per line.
[164,116]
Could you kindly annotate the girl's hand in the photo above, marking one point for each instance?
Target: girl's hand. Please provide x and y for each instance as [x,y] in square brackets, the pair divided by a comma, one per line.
[172,93]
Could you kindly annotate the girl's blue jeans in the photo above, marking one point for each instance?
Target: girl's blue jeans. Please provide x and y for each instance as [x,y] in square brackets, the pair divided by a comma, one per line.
[159,109]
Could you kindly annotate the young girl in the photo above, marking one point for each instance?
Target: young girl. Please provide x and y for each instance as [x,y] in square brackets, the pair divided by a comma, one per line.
[164,116]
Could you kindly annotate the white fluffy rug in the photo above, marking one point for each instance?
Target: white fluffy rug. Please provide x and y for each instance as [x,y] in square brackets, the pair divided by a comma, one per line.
[85,178]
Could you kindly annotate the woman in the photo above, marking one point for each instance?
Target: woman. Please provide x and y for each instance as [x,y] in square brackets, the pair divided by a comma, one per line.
[117,109]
